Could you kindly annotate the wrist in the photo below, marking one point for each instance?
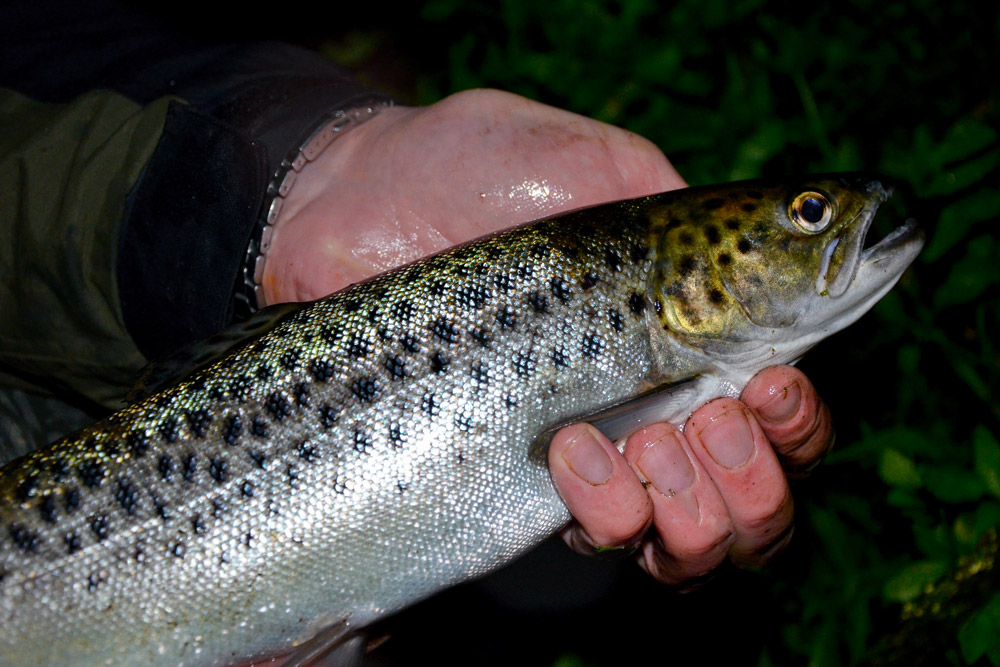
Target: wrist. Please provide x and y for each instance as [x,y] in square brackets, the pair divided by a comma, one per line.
[289,189]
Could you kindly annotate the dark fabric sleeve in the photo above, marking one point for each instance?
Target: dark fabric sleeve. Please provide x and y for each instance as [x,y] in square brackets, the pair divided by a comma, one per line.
[238,110]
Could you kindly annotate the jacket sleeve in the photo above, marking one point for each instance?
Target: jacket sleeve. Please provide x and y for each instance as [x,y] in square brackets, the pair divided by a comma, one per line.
[129,189]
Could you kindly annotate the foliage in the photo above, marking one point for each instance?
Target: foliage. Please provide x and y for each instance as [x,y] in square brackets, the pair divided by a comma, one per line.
[746,88]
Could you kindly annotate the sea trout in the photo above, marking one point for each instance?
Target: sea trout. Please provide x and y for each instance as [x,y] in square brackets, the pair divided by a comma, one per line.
[386,442]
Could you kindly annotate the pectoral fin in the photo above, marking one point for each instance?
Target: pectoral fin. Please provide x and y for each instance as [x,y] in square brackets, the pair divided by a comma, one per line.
[337,645]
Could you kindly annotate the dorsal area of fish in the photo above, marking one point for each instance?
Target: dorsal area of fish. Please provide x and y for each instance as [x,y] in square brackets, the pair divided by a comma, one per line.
[374,447]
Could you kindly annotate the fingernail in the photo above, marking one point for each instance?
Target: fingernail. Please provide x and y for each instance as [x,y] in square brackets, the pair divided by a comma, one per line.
[728,439]
[665,465]
[783,405]
[587,459]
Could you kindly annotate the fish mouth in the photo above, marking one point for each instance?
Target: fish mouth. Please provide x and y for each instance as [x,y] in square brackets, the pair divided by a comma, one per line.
[845,257]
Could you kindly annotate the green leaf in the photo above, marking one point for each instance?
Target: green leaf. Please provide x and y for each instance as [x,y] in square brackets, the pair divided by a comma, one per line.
[911,581]
[971,275]
[980,635]
[987,458]
[957,219]
[953,484]
[898,470]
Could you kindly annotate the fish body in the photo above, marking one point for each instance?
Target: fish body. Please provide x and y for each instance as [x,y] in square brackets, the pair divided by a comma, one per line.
[379,445]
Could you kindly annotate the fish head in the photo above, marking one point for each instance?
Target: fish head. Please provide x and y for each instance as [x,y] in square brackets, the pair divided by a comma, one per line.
[759,268]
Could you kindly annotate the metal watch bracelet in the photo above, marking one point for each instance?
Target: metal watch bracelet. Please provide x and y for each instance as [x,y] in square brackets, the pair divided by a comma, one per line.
[249,297]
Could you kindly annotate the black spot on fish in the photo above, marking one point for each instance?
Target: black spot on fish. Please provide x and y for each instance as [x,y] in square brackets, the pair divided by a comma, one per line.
[591,346]
[247,489]
[755,194]
[540,250]
[218,469]
[301,395]
[712,234]
[72,499]
[178,550]
[743,245]
[232,429]
[480,335]
[26,540]
[639,252]
[396,435]
[559,357]
[351,305]
[72,541]
[401,486]
[749,208]
[510,401]
[339,486]
[446,330]
[732,224]
[588,280]
[197,525]
[94,581]
[258,427]
[358,346]
[686,267]
[292,476]
[327,416]
[503,282]
[168,430]
[331,334]
[362,441]
[439,362]
[166,467]
[26,489]
[429,404]
[539,303]
[615,318]
[715,296]
[264,372]
[473,296]
[290,359]
[636,303]
[402,310]
[374,314]
[396,367]
[198,384]
[410,343]
[248,539]
[307,451]
[366,388]
[59,470]
[725,259]
[464,422]
[161,509]
[383,334]
[259,459]
[189,466]
[560,289]
[437,287]
[47,509]
[524,271]
[99,527]
[239,387]
[713,204]
[218,507]
[685,238]
[321,370]
[216,392]
[198,421]
[91,473]
[524,363]
[278,406]
[127,497]
[505,318]
[613,259]
[480,374]
[137,443]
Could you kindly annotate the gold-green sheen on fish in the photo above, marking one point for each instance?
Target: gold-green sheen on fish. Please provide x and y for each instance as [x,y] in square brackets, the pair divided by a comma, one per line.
[381,444]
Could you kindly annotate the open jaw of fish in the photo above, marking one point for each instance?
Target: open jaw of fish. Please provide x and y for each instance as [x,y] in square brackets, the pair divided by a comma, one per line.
[365,451]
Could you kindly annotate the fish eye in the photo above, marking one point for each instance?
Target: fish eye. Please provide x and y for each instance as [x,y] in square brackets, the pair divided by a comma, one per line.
[811,211]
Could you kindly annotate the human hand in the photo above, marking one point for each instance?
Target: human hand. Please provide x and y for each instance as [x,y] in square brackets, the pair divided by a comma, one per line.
[716,491]
[413,181]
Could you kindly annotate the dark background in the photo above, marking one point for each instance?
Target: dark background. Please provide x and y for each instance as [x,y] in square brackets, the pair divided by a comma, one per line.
[733,90]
